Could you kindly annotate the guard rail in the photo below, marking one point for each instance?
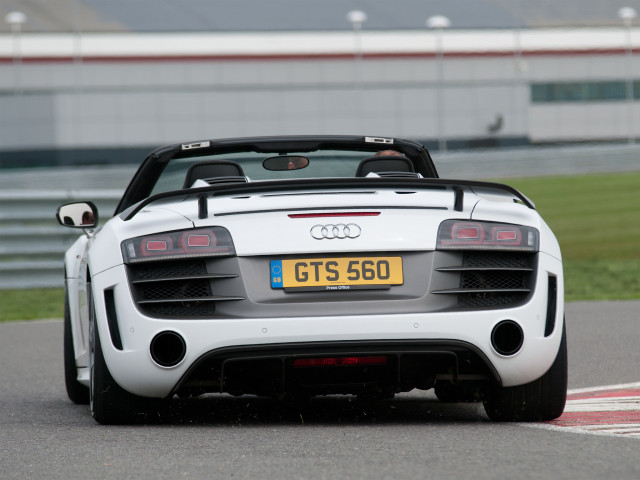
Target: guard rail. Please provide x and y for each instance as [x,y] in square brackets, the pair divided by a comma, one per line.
[32,243]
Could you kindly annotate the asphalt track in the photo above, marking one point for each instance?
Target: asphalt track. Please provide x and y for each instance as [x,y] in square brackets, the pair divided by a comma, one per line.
[43,435]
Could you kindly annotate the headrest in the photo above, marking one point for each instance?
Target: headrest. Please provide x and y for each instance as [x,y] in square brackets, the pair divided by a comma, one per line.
[384,163]
[212,169]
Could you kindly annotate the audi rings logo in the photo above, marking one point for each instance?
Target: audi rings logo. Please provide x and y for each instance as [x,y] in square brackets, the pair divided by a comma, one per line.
[331,231]
[350,230]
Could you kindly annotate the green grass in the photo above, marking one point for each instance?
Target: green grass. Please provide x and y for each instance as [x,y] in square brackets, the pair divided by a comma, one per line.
[602,279]
[31,304]
[597,221]
[595,217]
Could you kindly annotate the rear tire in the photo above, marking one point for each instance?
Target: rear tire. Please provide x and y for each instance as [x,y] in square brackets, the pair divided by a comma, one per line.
[110,403]
[77,392]
[540,400]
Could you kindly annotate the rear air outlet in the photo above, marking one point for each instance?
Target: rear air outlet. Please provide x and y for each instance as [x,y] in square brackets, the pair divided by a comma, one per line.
[112,318]
[491,279]
[179,288]
[552,302]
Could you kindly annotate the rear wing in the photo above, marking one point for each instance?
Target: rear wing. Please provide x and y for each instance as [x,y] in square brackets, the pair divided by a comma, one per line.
[366,183]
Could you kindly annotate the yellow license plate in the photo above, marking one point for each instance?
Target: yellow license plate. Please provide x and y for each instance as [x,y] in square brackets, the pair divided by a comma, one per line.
[337,273]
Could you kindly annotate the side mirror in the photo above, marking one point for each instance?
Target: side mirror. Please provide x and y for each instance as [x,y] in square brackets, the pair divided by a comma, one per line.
[78,215]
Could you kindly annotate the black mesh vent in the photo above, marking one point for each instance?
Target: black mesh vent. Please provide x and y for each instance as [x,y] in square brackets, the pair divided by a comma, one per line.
[174,290]
[177,289]
[182,309]
[492,279]
[504,283]
[479,300]
[496,260]
[168,269]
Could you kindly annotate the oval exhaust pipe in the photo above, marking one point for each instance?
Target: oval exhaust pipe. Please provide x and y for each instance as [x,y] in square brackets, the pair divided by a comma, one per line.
[168,349]
[507,338]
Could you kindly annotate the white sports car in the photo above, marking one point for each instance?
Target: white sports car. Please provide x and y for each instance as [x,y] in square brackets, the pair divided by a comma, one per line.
[312,265]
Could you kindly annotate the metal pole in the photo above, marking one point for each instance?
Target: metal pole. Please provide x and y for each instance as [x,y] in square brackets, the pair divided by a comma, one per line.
[357,18]
[15,20]
[630,99]
[627,14]
[442,142]
[438,23]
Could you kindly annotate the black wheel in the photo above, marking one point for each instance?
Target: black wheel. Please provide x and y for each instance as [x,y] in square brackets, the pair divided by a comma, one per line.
[542,399]
[447,392]
[110,403]
[77,392]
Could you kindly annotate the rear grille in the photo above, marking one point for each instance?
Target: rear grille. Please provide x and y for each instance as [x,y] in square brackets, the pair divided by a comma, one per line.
[178,288]
[159,270]
[496,260]
[175,289]
[491,279]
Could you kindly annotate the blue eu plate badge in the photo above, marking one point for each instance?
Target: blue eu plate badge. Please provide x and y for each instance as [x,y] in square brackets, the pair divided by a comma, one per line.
[276,274]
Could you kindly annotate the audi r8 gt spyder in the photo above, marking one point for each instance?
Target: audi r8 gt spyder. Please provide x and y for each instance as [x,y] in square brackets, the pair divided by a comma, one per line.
[312,265]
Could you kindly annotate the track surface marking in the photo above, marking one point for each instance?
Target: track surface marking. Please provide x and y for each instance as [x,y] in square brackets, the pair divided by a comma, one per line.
[612,410]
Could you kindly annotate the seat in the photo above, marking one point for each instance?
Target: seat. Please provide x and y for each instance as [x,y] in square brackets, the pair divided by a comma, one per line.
[214,169]
[384,163]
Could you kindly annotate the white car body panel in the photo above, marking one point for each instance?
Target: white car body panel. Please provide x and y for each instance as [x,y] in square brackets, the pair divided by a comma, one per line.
[76,273]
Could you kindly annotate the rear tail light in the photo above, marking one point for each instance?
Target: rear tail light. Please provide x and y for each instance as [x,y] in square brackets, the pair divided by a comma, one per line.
[199,240]
[467,232]
[210,242]
[339,361]
[153,245]
[469,235]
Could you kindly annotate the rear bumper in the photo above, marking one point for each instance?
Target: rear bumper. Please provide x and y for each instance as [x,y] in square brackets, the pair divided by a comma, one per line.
[132,366]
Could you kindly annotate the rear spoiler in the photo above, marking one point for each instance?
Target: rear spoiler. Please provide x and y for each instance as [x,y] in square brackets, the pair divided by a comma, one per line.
[365,183]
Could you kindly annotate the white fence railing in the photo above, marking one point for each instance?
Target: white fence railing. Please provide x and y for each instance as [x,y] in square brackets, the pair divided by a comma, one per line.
[32,243]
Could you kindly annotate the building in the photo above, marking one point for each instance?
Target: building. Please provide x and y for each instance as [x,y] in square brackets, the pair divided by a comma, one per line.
[110,97]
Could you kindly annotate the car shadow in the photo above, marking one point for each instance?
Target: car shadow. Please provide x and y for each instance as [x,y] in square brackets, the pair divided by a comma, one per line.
[326,410]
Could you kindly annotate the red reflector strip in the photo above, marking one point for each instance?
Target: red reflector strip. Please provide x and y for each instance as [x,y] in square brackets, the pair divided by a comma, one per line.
[339,361]
[156,245]
[334,214]
[199,241]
